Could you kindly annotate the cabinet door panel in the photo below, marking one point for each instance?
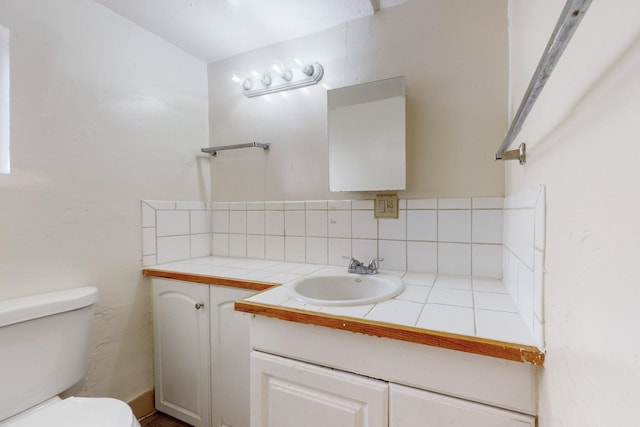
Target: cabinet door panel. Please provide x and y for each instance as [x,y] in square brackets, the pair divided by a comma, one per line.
[410,407]
[181,350]
[287,393]
[230,348]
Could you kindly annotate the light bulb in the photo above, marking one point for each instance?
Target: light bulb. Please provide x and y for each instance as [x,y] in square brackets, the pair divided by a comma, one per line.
[308,69]
[283,72]
[245,83]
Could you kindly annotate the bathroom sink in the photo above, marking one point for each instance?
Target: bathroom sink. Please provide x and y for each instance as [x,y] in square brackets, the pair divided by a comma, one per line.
[344,289]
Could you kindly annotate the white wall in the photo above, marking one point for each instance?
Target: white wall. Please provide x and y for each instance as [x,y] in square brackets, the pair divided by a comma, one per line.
[103,114]
[584,144]
[454,59]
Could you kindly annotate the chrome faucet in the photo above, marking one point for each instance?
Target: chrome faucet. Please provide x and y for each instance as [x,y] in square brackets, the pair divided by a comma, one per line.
[358,267]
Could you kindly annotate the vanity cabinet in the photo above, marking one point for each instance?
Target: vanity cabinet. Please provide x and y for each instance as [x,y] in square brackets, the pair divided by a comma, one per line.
[418,385]
[288,393]
[201,353]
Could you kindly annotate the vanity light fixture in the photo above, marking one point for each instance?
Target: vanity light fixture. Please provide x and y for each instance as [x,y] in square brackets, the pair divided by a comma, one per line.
[284,79]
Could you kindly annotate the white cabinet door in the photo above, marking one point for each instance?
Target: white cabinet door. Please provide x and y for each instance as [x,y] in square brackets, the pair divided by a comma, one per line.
[410,407]
[230,348]
[181,350]
[288,393]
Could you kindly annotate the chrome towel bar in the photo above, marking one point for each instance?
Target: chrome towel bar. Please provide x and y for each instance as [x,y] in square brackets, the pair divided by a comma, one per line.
[569,19]
[214,150]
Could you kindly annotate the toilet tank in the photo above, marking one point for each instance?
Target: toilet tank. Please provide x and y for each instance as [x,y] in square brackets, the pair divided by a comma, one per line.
[44,346]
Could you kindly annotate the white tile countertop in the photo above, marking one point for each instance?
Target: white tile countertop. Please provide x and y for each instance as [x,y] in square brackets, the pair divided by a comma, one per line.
[476,308]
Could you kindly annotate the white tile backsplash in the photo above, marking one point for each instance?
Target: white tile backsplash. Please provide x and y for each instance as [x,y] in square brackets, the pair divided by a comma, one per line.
[339,223]
[454,258]
[422,257]
[172,248]
[364,249]
[486,260]
[364,225]
[200,222]
[317,250]
[238,221]
[238,245]
[200,245]
[294,223]
[172,223]
[220,221]
[255,222]
[294,249]
[220,244]
[489,238]
[148,241]
[255,246]
[394,253]
[454,226]
[422,204]
[422,225]
[523,256]
[274,223]
[454,203]
[316,223]
[486,226]
[274,247]
[148,215]
[393,228]
[332,228]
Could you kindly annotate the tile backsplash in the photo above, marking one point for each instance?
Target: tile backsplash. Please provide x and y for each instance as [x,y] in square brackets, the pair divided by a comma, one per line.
[489,237]
[523,256]
[447,236]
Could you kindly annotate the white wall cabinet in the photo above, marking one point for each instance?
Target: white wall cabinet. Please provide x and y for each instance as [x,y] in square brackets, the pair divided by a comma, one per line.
[288,393]
[411,407]
[201,353]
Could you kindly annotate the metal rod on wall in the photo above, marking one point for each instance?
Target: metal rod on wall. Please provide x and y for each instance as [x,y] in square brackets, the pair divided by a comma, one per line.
[569,19]
[214,150]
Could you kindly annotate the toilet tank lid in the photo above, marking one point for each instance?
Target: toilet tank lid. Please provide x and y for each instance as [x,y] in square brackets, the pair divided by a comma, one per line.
[32,307]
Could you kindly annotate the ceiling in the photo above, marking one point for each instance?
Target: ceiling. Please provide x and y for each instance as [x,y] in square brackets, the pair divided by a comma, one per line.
[212,30]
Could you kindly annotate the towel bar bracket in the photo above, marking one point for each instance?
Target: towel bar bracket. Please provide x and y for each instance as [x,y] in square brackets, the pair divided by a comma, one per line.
[518,154]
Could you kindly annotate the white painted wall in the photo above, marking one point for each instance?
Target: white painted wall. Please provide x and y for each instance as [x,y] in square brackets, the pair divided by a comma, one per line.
[584,144]
[103,114]
[454,59]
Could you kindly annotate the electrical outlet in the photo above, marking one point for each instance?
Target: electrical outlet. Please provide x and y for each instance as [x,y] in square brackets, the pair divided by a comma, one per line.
[386,206]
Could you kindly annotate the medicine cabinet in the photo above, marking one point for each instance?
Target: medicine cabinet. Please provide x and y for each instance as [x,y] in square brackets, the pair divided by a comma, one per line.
[367,136]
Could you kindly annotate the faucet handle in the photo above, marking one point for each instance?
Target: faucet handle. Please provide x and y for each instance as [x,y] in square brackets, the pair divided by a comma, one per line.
[373,264]
[354,264]
[351,260]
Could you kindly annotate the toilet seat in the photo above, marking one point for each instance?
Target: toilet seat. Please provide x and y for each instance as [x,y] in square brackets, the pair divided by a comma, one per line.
[77,412]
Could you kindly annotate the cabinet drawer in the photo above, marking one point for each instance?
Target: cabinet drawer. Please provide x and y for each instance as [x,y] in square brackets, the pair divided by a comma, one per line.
[411,407]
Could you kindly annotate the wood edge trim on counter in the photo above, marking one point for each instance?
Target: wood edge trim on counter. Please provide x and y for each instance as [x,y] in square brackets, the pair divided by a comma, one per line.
[486,347]
[209,280]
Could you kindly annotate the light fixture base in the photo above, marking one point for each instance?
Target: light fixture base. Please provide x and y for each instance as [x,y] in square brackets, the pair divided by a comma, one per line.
[298,80]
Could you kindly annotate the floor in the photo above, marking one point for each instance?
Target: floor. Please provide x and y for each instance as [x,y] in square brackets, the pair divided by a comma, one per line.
[158,419]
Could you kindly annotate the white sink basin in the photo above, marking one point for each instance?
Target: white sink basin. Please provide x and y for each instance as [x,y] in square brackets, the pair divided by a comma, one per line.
[343,289]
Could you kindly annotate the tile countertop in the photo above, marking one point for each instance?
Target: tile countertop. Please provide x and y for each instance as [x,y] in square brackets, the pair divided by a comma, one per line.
[462,313]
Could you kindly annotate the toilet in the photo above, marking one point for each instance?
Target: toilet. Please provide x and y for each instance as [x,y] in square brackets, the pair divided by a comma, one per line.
[44,347]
